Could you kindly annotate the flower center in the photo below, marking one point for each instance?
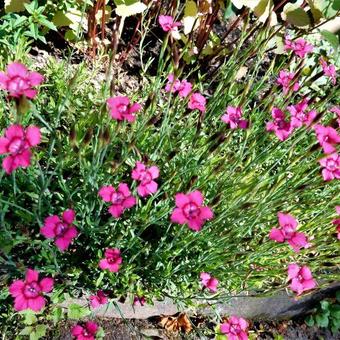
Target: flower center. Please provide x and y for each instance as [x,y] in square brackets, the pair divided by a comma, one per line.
[117,198]
[60,229]
[288,230]
[17,145]
[331,164]
[17,84]
[122,108]
[145,177]
[191,210]
[32,289]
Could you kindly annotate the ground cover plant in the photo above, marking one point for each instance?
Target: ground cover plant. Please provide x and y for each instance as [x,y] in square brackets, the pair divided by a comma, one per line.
[217,175]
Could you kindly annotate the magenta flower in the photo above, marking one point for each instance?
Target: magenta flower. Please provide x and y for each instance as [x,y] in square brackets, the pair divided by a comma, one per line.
[287,232]
[112,260]
[300,47]
[184,89]
[139,301]
[300,115]
[61,230]
[328,70]
[173,84]
[233,117]
[17,143]
[99,299]
[301,278]
[331,165]
[146,178]
[18,81]
[327,137]
[279,125]
[121,198]
[197,101]
[121,109]
[189,210]
[209,282]
[28,294]
[235,328]
[285,79]
[169,25]
[86,332]
[337,221]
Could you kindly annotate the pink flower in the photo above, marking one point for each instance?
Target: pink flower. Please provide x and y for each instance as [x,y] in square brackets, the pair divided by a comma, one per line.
[285,79]
[235,328]
[168,24]
[327,137]
[86,332]
[233,117]
[121,198]
[17,143]
[301,278]
[328,70]
[18,81]
[184,89]
[99,299]
[189,210]
[197,101]
[331,165]
[337,221]
[139,301]
[209,282]
[61,230]
[28,294]
[121,108]
[287,232]
[173,84]
[300,47]
[280,126]
[146,177]
[300,115]
[112,260]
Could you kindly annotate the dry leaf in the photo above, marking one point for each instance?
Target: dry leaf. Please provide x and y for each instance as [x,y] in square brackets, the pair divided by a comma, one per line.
[175,324]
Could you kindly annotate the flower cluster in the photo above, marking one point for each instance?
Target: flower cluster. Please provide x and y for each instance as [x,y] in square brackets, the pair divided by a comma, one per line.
[233,117]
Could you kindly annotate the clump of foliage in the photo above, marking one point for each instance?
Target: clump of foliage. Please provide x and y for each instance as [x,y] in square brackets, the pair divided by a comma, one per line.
[217,175]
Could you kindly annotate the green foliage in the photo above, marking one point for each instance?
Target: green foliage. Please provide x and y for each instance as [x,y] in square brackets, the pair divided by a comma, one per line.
[326,315]
[77,312]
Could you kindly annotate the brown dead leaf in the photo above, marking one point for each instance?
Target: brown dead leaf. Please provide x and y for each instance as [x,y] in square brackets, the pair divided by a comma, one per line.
[175,324]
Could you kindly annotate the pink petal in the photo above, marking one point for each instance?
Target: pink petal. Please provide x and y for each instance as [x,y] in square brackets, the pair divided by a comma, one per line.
[296,286]
[327,175]
[62,243]
[337,208]
[46,284]
[14,131]
[206,213]
[30,93]
[195,224]
[71,233]
[17,69]
[276,235]
[94,301]
[8,164]
[77,330]
[225,328]
[16,288]
[151,187]
[135,108]
[309,284]
[197,197]
[20,303]
[4,142]
[113,267]
[154,171]
[106,192]
[177,216]
[23,159]
[129,202]
[213,284]
[124,189]
[293,270]
[91,327]
[35,78]
[33,135]
[37,303]
[103,264]
[205,277]
[68,216]
[116,210]
[181,200]
[287,219]
[31,276]
[306,273]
